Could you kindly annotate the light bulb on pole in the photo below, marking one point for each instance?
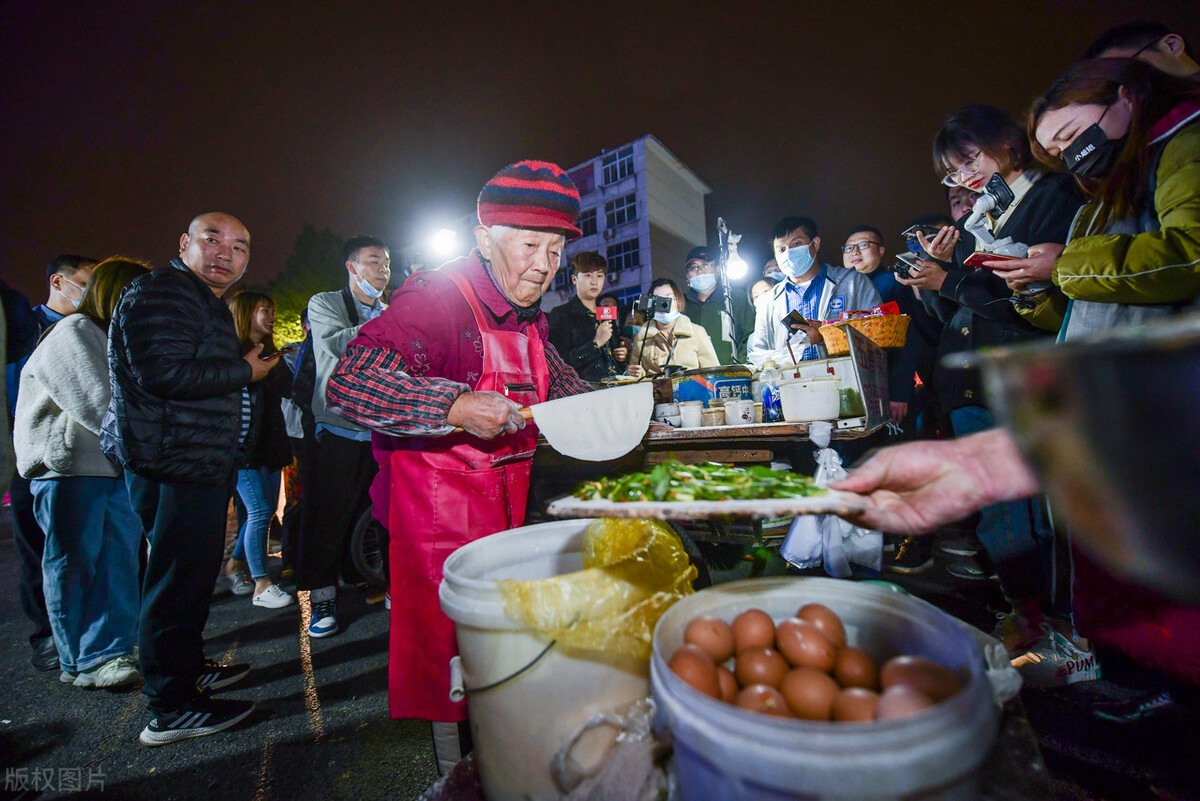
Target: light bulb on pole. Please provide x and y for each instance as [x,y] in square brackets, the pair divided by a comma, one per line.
[735,265]
[444,243]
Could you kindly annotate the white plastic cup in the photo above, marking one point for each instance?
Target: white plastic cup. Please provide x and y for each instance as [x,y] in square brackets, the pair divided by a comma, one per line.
[689,415]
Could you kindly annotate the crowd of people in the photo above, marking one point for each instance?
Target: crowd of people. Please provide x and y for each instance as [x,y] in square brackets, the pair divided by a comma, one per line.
[144,399]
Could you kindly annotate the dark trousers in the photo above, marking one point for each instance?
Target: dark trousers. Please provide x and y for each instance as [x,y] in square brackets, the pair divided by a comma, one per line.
[337,477]
[30,542]
[185,523]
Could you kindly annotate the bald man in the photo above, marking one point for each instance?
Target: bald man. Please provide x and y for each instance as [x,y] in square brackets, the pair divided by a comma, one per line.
[174,424]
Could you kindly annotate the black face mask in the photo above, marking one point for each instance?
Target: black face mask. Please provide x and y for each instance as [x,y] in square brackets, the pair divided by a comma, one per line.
[1093,154]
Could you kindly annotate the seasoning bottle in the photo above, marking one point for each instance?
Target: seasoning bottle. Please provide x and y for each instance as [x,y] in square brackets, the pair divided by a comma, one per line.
[772,409]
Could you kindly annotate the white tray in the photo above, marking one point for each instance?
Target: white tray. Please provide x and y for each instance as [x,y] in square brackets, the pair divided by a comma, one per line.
[832,502]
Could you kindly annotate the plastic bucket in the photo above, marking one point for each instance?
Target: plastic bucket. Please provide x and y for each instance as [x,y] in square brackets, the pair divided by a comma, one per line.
[810,399]
[724,753]
[519,724]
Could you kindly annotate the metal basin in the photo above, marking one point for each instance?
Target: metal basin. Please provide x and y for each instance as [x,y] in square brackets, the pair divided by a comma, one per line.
[1111,424]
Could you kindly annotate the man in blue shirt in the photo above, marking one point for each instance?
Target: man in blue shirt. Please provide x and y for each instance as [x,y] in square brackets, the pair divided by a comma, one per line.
[67,277]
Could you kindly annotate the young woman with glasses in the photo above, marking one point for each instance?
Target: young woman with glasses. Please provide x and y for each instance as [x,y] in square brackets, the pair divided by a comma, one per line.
[974,144]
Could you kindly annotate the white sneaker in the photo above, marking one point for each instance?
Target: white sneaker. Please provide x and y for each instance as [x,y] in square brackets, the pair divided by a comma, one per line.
[273,598]
[240,583]
[116,672]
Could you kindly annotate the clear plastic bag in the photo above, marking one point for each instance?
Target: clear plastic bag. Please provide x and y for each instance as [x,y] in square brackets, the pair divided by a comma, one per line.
[633,571]
[813,540]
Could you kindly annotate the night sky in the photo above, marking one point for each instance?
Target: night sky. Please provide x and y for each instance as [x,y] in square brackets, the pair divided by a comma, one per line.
[122,121]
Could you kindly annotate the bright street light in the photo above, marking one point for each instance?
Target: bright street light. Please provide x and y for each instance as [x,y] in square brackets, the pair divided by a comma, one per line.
[444,243]
[735,265]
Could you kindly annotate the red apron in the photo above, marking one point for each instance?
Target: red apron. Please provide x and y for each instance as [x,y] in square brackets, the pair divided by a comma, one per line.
[445,492]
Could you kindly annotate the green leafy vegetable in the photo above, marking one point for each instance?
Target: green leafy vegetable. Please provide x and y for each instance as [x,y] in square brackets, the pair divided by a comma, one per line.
[711,481]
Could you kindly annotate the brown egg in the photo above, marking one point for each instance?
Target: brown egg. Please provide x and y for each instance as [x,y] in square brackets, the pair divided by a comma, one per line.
[900,702]
[713,635]
[729,685]
[854,667]
[824,619]
[804,645]
[809,693]
[761,698]
[754,628]
[923,675]
[760,666]
[696,668]
[855,704]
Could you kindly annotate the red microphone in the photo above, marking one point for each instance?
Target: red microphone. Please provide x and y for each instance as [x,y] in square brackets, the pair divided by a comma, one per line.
[606,313]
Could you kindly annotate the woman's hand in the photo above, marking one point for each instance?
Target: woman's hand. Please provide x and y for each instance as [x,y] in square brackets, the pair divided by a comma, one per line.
[941,247]
[931,276]
[1037,266]
[635,371]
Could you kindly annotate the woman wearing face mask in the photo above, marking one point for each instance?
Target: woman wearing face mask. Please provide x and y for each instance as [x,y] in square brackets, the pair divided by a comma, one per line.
[1131,135]
[264,451]
[671,338]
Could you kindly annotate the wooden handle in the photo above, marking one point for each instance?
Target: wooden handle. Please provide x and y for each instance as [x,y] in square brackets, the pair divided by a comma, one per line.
[525,412]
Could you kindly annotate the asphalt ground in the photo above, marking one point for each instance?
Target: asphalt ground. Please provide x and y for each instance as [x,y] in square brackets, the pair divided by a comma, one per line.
[320,729]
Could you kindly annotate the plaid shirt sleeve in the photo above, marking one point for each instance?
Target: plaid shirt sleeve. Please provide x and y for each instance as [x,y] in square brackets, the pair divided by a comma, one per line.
[371,387]
[564,381]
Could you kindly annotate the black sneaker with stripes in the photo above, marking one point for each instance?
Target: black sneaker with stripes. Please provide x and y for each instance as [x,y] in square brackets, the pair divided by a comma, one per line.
[214,676]
[199,718]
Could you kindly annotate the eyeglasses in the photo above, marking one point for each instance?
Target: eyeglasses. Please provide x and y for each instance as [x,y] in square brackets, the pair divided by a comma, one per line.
[861,247]
[965,170]
[697,267]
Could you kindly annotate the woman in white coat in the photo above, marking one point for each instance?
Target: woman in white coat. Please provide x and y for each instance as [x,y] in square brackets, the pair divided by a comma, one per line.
[90,563]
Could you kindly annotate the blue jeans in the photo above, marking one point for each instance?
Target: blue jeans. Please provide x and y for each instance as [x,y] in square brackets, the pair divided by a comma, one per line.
[259,490]
[89,567]
[1017,535]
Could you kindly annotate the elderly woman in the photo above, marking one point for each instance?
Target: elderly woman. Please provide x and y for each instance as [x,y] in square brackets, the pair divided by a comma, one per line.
[441,377]
[671,338]
[90,564]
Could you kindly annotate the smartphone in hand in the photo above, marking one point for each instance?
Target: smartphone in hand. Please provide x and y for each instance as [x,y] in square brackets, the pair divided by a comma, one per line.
[285,349]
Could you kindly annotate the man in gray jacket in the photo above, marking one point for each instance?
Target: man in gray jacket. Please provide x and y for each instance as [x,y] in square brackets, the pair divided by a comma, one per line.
[817,292]
[339,466]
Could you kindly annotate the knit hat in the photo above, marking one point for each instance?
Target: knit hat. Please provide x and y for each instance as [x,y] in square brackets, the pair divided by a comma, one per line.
[531,194]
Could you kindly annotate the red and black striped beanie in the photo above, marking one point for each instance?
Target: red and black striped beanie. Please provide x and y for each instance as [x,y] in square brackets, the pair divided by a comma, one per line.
[531,194]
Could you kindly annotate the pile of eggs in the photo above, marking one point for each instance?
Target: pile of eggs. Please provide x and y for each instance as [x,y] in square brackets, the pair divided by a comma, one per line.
[803,668]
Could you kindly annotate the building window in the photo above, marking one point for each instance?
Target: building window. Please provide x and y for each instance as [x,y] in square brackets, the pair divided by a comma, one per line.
[620,211]
[585,179]
[624,255]
[587,222]
[618,164]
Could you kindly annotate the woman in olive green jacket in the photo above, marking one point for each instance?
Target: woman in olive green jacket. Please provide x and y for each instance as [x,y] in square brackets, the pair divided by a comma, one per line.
[1132,136]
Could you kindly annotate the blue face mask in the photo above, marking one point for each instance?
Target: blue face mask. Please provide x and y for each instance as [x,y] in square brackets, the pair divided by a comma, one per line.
[666,318]
[704,282]
[799,260]
[367,289]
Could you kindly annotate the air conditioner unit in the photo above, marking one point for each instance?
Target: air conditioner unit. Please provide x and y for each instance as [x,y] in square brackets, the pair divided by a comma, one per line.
[609,233]
[613,277]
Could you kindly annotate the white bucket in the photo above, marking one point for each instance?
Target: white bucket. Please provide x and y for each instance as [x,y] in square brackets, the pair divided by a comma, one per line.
[810,399]
[519,725]
[725,753]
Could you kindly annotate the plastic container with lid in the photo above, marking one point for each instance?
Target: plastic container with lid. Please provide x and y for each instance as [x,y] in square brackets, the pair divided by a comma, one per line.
[724,753]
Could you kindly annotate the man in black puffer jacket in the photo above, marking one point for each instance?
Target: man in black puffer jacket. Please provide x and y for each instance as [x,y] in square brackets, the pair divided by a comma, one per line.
[174,423]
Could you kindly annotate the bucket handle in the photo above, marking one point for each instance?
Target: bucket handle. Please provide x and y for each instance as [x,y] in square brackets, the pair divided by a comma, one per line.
[458,691]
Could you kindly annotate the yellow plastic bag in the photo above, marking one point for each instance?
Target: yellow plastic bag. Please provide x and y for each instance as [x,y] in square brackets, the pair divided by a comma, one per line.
[633,571]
